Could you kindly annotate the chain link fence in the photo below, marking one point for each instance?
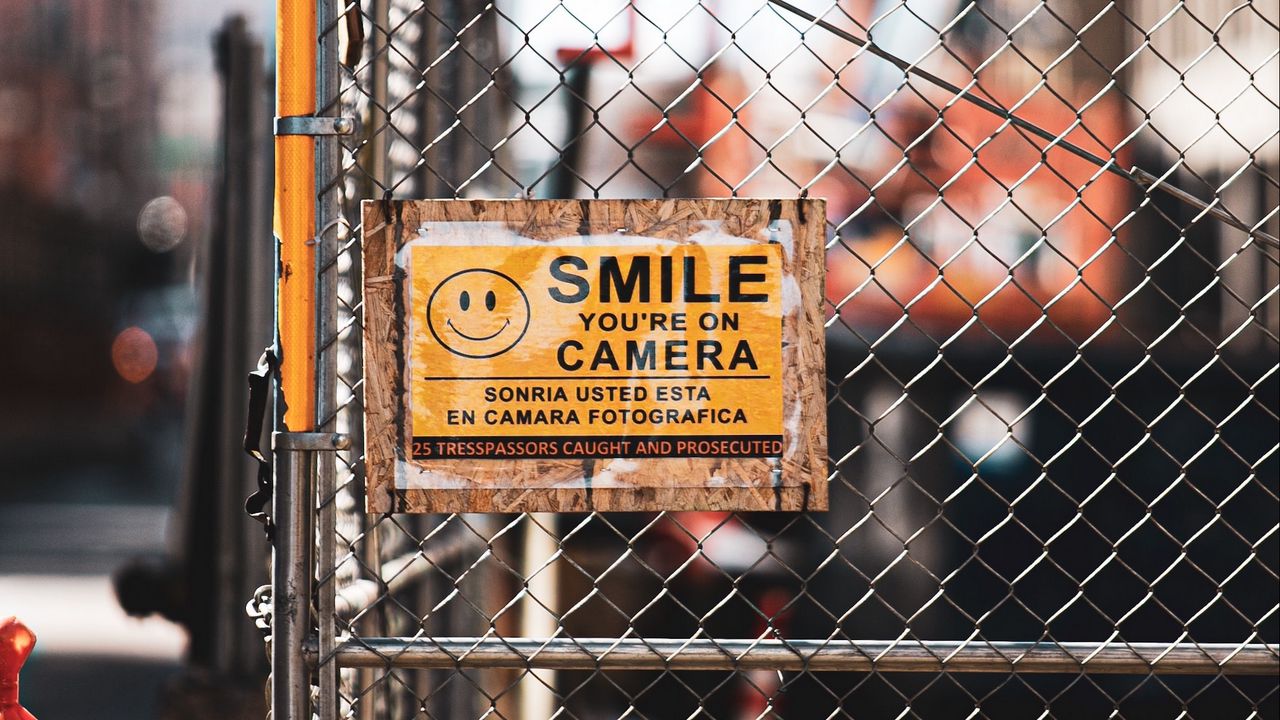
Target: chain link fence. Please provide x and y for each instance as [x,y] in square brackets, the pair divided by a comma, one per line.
[1052,361]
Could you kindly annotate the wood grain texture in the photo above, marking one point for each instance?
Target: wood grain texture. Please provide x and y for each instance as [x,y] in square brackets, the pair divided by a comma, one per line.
[564,485]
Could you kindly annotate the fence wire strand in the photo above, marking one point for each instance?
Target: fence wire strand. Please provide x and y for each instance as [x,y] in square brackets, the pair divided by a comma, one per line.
[1052,380]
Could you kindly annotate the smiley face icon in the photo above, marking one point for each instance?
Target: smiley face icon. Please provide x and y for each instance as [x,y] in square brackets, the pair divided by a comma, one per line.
[478,313]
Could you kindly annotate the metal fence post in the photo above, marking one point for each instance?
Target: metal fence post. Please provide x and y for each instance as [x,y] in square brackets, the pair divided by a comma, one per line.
[328,221]
[293,569]
[291,580]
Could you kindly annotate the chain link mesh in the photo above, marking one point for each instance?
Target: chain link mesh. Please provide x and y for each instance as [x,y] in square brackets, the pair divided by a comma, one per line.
[1052,392]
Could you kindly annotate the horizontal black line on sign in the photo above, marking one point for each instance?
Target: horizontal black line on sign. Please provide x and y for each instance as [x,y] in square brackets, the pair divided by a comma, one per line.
[606,377]
[662,654]
[583,447]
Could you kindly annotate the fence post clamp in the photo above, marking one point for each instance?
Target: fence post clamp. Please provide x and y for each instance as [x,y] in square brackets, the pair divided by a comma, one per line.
[314,125]
[310,441]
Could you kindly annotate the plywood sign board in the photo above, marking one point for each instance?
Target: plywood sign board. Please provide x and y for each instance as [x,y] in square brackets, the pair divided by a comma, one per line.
[566,355]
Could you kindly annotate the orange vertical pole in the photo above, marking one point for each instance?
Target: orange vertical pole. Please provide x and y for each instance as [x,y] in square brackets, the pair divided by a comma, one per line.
[295,197]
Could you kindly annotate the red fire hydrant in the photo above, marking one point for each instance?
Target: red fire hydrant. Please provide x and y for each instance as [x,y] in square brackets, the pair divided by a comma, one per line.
[16,642]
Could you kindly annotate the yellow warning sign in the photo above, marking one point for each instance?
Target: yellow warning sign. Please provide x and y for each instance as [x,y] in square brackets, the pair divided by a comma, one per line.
[594,355]
[625,351]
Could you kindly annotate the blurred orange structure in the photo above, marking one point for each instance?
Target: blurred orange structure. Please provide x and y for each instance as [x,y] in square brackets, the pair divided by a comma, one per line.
[1016,236]
[16,643]
[944,214]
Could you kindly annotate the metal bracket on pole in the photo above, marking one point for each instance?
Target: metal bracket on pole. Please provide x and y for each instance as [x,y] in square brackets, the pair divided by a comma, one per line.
[313,441]
[313,125]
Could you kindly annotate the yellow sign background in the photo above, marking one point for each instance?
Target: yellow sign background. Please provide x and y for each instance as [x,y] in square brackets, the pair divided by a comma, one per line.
[503,340]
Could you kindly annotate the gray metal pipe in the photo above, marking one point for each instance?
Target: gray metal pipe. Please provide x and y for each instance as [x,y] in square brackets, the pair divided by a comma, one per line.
[812,655]
[291,580]
[402,572]
[328,227]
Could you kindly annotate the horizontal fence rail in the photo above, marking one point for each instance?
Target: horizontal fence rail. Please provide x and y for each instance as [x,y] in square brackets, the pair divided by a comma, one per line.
[809,655]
